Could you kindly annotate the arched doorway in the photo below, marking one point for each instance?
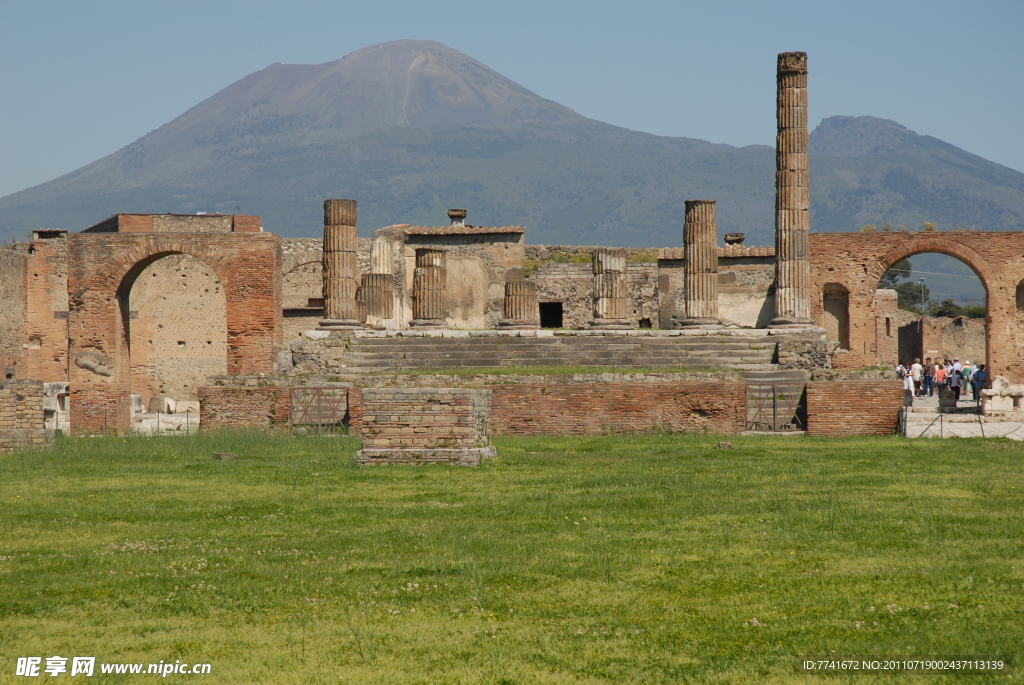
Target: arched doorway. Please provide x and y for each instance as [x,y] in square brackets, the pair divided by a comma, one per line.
[103,267]
[940,310]
[857,261]
[176,329]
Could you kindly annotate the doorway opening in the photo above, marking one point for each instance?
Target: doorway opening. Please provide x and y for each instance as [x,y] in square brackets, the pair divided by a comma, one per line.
[550,314]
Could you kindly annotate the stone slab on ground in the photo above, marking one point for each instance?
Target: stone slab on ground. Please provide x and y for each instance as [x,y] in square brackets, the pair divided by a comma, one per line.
[457,457]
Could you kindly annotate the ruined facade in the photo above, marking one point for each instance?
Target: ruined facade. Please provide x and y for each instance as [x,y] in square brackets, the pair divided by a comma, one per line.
[152,306]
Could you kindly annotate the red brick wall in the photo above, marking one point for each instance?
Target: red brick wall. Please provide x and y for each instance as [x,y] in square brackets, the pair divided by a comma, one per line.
[100,265]
[46,311]
[238,407]
[836,408]
[858,260]
[593,409]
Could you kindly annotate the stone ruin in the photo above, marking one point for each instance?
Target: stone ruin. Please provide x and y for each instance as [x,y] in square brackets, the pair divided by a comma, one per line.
[135,315]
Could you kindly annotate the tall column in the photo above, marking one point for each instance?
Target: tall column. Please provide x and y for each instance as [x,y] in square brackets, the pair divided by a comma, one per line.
[521,309]
[341,311]
[611,291]
[429,308]
[792,195]
[700,265]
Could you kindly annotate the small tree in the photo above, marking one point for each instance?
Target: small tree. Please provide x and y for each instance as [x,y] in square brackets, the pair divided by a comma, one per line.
[947,308]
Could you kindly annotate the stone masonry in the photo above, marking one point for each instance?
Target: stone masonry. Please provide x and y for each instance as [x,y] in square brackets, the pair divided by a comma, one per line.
[21,417]
[422,425]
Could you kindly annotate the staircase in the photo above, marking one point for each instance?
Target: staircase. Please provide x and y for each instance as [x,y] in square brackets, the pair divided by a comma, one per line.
[705,353]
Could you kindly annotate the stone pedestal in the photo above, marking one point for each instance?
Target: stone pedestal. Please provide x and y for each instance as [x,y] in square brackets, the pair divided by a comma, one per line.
[425,426]
[792,196]
[429,307]
[521,310]
[341,312]
[611,291]
[700,266]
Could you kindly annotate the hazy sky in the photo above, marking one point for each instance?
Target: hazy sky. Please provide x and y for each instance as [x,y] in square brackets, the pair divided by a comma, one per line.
[80,80]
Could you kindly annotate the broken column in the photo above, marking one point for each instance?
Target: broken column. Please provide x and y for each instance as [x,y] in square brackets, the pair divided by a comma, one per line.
[377,296]
[700,266]
[521,309]
[339,264]
[792,196]
[611,291]
[429,309]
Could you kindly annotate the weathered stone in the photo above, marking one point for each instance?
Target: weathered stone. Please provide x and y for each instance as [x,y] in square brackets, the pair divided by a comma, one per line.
[700,266]
[792,196]
[339,265]
[429,306]
[520,305]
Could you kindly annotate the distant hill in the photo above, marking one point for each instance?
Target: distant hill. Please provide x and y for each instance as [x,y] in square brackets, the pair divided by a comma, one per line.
[410,128]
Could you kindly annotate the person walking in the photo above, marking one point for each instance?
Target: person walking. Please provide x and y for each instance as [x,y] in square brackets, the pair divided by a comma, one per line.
[940,378]
[954,384]
[978,380]
[915,373]
[928,373]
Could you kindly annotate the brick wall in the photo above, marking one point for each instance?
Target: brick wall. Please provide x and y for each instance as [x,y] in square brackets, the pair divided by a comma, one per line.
[100,267]
[858,260]
[597,408]
[421,418]
[243,407]
[177,322]
[12,304]
[21,417]
[837,408]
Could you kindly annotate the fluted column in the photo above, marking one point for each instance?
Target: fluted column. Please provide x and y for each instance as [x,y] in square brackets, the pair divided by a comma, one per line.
[792,195]
[381,256]
[377,297]
[521,309]
[611,291]
[339,266]
[429,308]
[700,265]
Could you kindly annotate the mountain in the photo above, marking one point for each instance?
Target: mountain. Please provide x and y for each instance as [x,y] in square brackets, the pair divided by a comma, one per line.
[410,128]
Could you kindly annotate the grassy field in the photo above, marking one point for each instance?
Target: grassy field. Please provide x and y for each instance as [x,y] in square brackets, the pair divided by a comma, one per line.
[646,559]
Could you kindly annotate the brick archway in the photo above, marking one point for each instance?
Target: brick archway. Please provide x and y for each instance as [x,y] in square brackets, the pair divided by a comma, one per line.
[859,260]
[101,270]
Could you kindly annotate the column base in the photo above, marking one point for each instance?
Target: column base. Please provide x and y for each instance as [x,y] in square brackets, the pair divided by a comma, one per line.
[611,325]
[697,323]
[340,325]
[519,323]
[428,323]
[791,322]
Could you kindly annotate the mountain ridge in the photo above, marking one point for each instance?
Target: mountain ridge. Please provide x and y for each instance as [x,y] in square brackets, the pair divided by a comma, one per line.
[409,128]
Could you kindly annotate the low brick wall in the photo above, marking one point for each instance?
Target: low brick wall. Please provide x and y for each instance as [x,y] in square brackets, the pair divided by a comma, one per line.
[597,408]
[21,417]
[421,418]
[837,408]
[243,407]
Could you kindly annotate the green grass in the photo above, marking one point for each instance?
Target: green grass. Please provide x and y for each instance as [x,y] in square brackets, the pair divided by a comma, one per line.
[638,559]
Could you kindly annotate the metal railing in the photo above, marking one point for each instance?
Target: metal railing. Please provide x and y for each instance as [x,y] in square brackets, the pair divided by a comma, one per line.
[319,407]
[776,407]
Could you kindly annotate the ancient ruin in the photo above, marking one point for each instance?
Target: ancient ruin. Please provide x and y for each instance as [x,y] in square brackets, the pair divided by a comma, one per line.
[150,322]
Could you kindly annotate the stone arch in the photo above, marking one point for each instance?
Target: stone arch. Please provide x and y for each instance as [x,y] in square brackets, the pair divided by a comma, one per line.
[951,248]
[174,314]
[103,266]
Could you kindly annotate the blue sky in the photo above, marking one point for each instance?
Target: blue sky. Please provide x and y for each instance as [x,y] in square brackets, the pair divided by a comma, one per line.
[80,80]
